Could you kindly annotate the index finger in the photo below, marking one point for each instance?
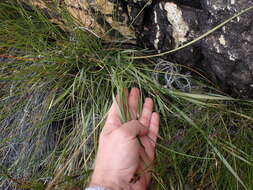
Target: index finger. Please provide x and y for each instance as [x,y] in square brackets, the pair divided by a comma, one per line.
[113,119]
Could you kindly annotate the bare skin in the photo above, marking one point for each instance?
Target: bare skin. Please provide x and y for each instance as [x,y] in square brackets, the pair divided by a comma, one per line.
[126,150]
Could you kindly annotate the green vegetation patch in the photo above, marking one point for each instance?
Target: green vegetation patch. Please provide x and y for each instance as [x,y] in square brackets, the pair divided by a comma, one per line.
[57,86]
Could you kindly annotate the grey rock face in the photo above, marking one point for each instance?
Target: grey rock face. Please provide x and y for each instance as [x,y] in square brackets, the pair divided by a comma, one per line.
[229,52]
[226,55]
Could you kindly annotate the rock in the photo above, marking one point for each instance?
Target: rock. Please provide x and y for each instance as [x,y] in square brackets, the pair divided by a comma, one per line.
[225,56]
[228,53]
[106,19]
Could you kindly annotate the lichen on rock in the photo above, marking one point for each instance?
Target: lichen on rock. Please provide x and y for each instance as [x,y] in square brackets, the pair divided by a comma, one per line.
[179,26]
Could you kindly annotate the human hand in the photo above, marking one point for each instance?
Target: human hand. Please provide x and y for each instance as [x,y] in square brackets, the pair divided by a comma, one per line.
[127,149]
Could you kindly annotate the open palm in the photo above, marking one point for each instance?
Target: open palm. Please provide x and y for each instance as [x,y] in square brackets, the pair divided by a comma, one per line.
[126,150]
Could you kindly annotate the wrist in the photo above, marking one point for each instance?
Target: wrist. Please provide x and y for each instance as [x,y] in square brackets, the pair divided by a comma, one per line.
[106,180]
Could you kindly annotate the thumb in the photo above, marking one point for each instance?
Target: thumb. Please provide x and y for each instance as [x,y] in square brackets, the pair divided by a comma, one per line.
[133,129]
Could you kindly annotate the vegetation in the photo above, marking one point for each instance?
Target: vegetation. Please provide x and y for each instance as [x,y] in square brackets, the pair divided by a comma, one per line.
[57,86]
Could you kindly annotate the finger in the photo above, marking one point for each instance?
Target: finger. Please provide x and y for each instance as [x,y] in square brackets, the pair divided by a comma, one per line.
[113,120]
[133,100]
[123,98]
[145,166]
[148,146]
[123,104]
[145,158]
[154,127]
[132,129]
[149,141]
[146,112]
[144,170]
